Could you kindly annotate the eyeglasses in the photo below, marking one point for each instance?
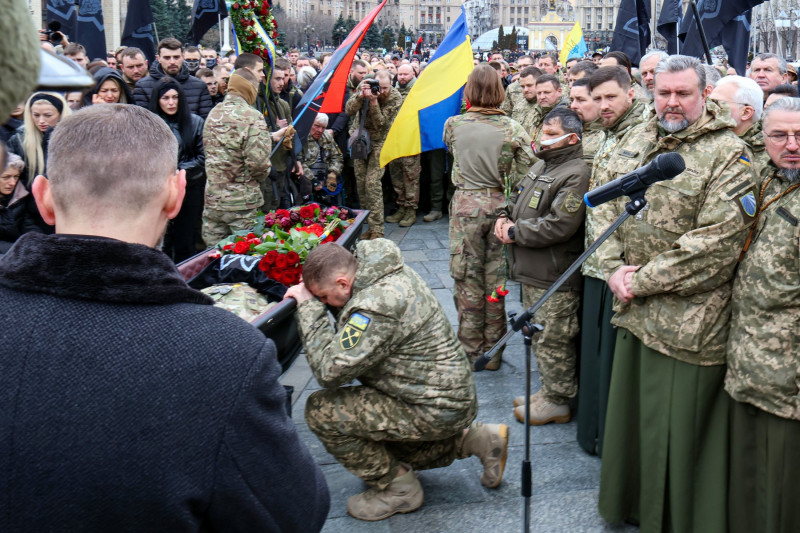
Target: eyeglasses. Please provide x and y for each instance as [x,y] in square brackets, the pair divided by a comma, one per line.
[783,138]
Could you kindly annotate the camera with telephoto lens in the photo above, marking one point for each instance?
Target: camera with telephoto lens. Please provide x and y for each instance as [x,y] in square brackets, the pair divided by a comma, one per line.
[374,86]
[53,35]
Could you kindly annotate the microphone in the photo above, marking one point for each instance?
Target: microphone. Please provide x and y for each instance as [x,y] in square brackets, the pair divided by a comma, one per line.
[663,167]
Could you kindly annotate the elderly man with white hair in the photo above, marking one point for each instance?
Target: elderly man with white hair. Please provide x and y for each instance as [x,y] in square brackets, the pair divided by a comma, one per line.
[321,162]
[744,97]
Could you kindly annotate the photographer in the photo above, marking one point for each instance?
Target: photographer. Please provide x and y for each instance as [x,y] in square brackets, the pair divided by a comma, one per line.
[321,165]
[383,103]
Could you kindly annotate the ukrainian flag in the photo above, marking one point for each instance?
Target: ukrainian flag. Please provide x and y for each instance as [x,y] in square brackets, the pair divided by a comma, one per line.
[237,46]
[574,46]
[435,97]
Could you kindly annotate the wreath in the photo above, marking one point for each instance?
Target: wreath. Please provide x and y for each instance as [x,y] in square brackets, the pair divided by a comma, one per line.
[244,16]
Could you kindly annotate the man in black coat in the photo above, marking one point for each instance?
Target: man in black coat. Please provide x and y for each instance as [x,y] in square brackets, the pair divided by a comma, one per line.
[169,62]
[127,401]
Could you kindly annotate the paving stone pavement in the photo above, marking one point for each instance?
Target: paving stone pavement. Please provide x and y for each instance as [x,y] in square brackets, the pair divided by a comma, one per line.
[565,480]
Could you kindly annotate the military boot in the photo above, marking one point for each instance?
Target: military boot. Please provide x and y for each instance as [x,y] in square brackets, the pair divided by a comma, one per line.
[409,218]
[543,412]
[535,397]
[365,236]
[397,216]
[433,215]
[494,362]
[403,495]
[490,443]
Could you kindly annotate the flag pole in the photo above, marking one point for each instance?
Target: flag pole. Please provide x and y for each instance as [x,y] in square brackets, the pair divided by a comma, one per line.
[701,30]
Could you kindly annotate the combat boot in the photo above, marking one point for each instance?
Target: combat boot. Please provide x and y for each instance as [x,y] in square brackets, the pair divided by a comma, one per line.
[433,215]
[397,216]
[494,362]
[409,218]
[535,397]
[544,412]
[403,495]
[365,236]
[489,442]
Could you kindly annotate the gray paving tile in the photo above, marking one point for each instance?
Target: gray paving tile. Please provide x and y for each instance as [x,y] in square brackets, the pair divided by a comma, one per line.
[412,244]
[438,267]
[346,524]
[417,266]
[446,280]
[439,254]
[318,451]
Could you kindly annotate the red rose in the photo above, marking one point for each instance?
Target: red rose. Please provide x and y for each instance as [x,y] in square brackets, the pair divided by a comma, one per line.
[270,257]
[264,265]
[293,257]
[228,247]
[251,36]
[281,261]
[280,213]
[241,247]
[250,235]
[307,211]
[314,206]
[235,6]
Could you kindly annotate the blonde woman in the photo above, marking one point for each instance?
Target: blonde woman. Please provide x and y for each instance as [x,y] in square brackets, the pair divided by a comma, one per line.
[43,111]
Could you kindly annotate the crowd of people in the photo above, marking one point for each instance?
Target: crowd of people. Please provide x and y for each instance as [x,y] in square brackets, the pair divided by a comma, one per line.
[676,342]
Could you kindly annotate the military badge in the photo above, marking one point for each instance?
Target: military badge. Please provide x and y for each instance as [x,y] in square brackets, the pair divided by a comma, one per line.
[353,331]
[537,195]
[748,202]
[572,203]
[743,160]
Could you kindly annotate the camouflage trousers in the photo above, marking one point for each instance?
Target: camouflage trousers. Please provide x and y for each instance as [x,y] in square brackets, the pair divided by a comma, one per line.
[405,180]
[219,224]
[555,346]
[477,264]
[370,193]
[370,433]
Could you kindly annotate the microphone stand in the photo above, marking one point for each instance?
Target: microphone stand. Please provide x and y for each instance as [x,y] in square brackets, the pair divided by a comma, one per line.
[524,323]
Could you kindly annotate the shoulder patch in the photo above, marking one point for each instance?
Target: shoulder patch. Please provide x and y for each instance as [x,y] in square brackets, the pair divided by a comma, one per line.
[572,203]
[748,203]
[743,160]
[353,331]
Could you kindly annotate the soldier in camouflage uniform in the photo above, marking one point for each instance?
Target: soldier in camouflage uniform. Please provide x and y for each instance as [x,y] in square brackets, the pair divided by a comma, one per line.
[278,116]
[618,112]
[548,95]
[545,234]
[415,403]
[321,161]
[405,171]
[584,106]
[744,98]
[764,345]
[477,261]
[381,112]
[237,146]
[671,268]
[514,94]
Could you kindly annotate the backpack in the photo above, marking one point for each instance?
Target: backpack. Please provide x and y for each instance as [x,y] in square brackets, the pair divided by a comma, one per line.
[359,142]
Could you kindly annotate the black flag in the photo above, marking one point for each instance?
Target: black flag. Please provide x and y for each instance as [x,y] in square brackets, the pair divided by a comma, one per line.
[63,12]
[90,30]
[205,14]
[736,40]
[138,30]
[715,16]
[632,30]
[668,22]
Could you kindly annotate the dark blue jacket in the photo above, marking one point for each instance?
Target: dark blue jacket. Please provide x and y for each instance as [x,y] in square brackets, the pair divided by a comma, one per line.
[129,403]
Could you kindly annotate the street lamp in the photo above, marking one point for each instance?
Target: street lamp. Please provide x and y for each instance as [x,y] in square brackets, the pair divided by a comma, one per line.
[309,29]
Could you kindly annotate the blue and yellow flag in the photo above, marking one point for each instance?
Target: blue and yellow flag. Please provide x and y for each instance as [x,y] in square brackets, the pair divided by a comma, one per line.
[270,46]
[435,97]
[574,46]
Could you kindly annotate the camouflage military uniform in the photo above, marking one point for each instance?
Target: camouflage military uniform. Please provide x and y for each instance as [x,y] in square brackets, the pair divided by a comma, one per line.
[405,171]
[237,146]
[514,99]
[369,172]
[276,108]
[593,137]
[666,406]
[321,157]
[416,391]
[762,374]
[548,213]
[759,158]
[240,299]
[477,262]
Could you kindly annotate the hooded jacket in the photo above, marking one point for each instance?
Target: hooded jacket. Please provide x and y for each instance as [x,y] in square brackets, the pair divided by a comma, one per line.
[548,213]
[100,76]
[197,96]
[687,239]
[17,216]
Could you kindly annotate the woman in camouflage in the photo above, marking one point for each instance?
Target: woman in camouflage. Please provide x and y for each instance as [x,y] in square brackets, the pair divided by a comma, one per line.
[485,145]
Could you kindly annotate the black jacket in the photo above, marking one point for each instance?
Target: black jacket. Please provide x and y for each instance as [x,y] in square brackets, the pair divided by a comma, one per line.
[101,75]
[191,156]
[197,97]
[8,129]
[17,216]
[129,403]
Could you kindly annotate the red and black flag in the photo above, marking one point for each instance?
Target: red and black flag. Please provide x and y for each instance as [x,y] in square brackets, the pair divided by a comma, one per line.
[419,45]
[326,93]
